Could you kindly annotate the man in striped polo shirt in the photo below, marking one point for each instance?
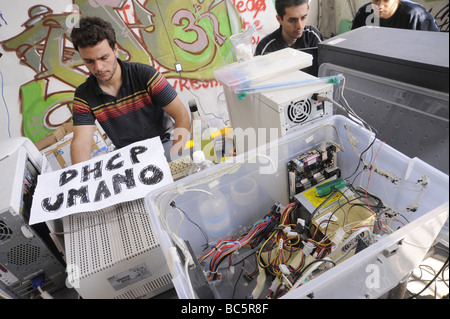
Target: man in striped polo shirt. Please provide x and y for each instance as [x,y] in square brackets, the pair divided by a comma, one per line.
[131,101]
[293,32]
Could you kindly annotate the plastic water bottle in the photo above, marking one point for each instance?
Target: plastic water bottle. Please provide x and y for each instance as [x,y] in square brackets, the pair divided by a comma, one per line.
[199,163]
[201,133]
[215,214]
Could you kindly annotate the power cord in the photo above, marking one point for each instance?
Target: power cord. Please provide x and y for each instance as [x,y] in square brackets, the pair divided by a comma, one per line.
[432,280]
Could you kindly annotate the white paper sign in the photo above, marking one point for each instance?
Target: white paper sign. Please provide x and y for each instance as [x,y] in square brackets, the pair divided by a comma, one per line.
[119,176]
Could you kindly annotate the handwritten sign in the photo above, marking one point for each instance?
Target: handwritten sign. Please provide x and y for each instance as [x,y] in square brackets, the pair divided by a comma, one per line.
[122,175]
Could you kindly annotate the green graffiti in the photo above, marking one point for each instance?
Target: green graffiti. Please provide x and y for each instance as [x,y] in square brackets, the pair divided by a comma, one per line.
[194,33]
[42,47]
[37,107]
[196,38]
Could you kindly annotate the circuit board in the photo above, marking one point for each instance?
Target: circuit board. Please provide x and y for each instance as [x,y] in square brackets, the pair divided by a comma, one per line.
[311,168]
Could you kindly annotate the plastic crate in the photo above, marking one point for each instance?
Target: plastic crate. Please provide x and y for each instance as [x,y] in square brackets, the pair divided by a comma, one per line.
[247,186]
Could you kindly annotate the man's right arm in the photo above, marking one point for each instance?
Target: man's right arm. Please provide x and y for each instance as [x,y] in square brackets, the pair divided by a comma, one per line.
[81,146]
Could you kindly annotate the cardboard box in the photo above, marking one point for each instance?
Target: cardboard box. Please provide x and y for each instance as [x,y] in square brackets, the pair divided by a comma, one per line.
[55,137]
[55,147]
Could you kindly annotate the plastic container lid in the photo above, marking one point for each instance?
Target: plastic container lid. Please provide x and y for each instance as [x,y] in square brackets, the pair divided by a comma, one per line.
[262,67]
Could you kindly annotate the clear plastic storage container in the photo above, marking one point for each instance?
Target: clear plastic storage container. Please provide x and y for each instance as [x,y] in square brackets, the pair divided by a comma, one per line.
[262,67]
[246,187]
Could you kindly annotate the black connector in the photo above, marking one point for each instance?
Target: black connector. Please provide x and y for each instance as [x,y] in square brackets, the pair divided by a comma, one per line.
[277,208]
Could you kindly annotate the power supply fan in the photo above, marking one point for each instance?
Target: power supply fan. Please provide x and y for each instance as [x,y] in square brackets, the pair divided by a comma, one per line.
[300,111]
[5,232]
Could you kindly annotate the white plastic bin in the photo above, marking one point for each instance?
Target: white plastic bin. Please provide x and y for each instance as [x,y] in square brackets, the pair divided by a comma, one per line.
[246,187]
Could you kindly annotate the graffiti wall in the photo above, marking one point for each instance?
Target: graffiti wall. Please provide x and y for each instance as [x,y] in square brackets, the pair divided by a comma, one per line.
[40,69]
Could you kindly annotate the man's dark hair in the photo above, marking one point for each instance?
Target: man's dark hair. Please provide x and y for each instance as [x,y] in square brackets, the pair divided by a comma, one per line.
[281,5]
[91,31]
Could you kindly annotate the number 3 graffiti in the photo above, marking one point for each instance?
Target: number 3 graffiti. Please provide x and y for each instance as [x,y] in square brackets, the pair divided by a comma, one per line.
[202,38]
[193,35]
[202,41]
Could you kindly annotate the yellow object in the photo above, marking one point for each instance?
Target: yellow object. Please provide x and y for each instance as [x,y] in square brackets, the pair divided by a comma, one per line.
[215,134]
[316,200]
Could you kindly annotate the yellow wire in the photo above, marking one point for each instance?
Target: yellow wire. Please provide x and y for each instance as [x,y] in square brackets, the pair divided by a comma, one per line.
[261,249]
[181,221]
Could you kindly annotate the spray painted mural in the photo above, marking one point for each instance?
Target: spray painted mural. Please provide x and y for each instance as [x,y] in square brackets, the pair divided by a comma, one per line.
[40,70]
[193,34]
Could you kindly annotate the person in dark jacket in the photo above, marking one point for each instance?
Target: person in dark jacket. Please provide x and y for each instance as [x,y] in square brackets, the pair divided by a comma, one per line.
[401,14]
[293,32]
[292,15]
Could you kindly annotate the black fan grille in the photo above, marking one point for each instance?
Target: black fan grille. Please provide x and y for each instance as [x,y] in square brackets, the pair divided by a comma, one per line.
[5,232]
[300,111]
[23,254]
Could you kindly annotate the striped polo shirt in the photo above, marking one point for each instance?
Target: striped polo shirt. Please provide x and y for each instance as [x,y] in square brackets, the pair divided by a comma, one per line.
[135,114]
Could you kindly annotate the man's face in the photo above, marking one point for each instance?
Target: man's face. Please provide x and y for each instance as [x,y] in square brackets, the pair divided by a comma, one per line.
[101,60]
[293,22]
[386,8]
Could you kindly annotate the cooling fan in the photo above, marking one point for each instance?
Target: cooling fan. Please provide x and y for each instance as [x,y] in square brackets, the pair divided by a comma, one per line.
[300,111]
[304,110]
[5,232]
[285,106]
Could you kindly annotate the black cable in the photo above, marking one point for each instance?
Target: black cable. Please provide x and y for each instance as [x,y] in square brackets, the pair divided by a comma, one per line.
[189,219]
[432,280]
[239,277]
[242,270]
[370,145]
[333,192]
[313,262]
[358,191]
[274,221]
[360,157]
[179,73]
[167,33]
[340,206]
